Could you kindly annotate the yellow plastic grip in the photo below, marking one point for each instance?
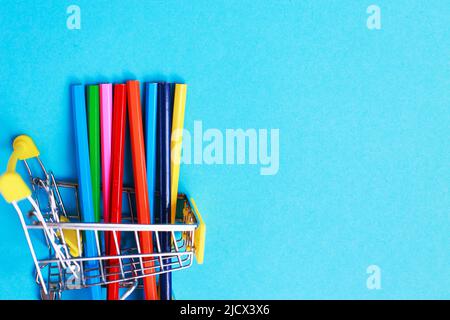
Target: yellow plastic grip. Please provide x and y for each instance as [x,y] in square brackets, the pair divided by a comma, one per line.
[71,239]
[24,148]
[12,186]
[200,235]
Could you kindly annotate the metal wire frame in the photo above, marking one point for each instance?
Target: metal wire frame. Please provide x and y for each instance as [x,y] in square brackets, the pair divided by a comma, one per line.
[131,263]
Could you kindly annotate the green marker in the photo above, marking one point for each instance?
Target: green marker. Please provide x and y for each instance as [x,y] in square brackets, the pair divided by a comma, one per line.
[93,107]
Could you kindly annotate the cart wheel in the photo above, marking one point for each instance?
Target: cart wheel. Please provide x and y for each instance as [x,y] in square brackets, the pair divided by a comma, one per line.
[52,295]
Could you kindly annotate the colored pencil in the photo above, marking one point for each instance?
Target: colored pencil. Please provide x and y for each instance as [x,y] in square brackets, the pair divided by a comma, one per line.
[176,143]
[165,279]
[84,181]
[151,99]
[105,136]
[140,180]
[117,169]
[93,106]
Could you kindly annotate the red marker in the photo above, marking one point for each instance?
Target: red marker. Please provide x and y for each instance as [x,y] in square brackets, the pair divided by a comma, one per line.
[118,149]
[140,180]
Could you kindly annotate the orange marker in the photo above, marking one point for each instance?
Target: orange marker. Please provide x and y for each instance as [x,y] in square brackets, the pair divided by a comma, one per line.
[140,180]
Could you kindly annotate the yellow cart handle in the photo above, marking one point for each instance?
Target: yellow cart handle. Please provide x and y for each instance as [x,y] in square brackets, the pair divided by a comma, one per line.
[12,186]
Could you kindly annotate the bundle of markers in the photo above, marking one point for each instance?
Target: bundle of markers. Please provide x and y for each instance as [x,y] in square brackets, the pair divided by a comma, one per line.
[100,116]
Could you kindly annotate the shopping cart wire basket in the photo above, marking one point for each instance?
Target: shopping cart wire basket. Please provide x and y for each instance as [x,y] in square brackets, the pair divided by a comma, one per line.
[64,265]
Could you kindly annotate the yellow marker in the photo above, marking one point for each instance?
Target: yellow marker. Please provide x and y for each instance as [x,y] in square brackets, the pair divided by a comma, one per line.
[200,235]
[179,103]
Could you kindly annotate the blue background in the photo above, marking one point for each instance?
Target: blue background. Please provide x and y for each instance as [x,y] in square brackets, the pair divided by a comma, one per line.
[364,133]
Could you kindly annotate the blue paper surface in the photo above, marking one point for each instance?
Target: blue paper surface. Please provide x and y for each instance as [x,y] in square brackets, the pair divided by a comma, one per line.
[363,119]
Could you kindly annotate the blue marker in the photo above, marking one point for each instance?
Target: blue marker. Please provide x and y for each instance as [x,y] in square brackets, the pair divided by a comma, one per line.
[164,120]
[151,99]
[78,101]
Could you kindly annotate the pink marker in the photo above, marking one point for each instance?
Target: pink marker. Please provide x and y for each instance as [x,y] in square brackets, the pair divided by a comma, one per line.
[105,135]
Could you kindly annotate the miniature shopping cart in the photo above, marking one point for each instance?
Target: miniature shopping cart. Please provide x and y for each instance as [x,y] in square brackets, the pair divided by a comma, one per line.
[63,265]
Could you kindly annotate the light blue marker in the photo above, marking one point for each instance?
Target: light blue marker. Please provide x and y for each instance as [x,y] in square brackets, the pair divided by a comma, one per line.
[78,101]
[151,98]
